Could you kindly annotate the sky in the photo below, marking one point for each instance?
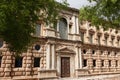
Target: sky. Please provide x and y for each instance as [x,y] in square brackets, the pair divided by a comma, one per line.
[77,3]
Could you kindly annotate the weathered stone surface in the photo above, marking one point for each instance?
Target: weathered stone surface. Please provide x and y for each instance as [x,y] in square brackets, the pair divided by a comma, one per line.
[18,73]
[53,47]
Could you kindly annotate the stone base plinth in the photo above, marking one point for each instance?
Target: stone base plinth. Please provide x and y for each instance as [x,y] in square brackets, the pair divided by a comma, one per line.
[47,74]
[81,72]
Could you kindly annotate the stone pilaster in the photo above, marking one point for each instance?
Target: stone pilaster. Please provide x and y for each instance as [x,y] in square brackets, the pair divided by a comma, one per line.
[48,61]
[119,61]
[8,64]
[77,62]
[53,56]
[80,58]
[29,63]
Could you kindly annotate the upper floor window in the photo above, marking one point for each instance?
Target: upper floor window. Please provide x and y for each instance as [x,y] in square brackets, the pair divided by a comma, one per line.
[1,43]
[118,42]
[102,63]
[94,63]
[112,41]
[38,30]
[106,38]
[82,36]
[101,52]
[84,63]
[18,61]
[99,39]
[109,63]
[36,62]
[116,63]
[93,51]
[115,53]
[108,53]
[0,60]
[70,28]
[91,38]
[63,28]
[84,51]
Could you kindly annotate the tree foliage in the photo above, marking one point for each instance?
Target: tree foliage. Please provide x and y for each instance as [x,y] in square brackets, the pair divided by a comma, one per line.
[18,19]
[104,12]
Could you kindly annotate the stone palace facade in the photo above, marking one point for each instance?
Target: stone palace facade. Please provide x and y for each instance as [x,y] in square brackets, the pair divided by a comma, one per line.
[70,50]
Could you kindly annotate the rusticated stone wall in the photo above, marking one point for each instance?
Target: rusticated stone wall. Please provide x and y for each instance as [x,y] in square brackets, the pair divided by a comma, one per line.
[8,69]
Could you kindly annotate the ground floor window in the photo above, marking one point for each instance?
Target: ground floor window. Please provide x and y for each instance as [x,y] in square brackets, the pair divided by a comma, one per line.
[18,61]
[36,62]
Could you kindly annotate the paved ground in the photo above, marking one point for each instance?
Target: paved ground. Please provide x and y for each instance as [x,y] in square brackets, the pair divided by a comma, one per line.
[101,77]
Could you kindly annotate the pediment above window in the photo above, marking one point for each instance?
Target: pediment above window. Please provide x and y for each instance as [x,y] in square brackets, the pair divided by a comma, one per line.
[91,31]
[65,50]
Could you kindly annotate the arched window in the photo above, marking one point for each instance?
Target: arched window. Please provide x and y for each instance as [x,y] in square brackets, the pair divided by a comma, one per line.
[63,28]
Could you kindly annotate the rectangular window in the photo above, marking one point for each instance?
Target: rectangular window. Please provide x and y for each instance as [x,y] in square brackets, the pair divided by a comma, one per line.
[70,29]
[37,30]
[106,38]
[102,63]
[109,63]
[84,63]
[36,62]
[84,51]
[101,52]
[91,38]
[115,54]
[118,42]
[116,63]
[18,61]
[93,52]
[112,42]
[82,36]
[108,53]
[99,39]
[0,60]
[94,63]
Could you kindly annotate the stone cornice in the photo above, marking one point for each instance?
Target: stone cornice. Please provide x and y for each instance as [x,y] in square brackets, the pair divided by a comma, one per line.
[83,30]
[100,47]
[91,31]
